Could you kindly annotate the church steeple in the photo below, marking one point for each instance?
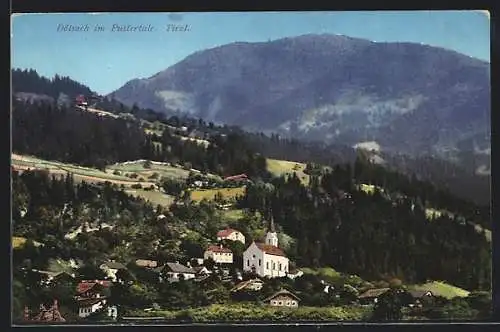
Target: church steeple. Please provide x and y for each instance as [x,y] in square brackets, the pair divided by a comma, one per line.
[271,236]
[270,227]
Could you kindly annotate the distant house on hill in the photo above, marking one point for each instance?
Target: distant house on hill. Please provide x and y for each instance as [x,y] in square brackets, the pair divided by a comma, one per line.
[81,101]
[46,315]
[283,298]
[230,234]
[219,254]
[372,295]
[234,178]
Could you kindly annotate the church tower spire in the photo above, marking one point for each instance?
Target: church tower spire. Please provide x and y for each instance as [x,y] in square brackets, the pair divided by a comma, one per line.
[271,236]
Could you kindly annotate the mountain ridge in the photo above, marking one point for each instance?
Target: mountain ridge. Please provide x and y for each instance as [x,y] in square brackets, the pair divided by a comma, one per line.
[332,88]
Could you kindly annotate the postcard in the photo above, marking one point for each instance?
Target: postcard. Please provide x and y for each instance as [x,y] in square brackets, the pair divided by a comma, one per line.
[243,167]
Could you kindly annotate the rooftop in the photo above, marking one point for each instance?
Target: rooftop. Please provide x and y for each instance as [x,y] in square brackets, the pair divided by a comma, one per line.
[282,292]
[214,248]
[270,250]
[373,293]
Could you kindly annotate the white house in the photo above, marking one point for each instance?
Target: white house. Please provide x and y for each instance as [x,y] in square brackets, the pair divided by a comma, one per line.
[219,254]
[283,298]
[176,271]
[87,307]
[266,259]
[230,234]
[111,268]
[90,296]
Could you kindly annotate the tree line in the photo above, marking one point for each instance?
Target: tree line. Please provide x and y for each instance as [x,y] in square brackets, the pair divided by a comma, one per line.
[337,224]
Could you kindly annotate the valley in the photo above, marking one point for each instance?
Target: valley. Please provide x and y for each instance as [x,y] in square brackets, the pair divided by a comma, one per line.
[292,196]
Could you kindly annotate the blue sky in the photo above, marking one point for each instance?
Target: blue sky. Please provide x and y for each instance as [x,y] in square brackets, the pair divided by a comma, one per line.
[106,60]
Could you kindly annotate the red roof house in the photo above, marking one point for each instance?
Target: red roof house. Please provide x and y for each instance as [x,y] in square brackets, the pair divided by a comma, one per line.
[236,177]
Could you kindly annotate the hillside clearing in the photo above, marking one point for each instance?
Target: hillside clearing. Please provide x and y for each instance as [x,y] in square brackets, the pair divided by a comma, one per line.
[163,169]
[154,197]
[285,167]
[209,194]
[440,288]
[59,169]
[233,215]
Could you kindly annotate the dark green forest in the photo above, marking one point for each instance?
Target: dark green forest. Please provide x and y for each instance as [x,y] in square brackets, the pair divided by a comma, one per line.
[377,235]
[65,134]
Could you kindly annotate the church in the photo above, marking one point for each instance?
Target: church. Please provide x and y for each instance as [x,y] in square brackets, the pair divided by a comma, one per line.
[266,259]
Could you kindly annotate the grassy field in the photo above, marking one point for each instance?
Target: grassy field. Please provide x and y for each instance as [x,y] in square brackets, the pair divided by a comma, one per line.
[441,289]
[155,197]
[162,169]
[284,167]
[18,242]
[25,162]
[233,215]
[254,312]
[209,194]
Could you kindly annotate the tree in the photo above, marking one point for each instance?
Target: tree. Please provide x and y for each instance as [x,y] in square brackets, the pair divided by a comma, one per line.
[388,307]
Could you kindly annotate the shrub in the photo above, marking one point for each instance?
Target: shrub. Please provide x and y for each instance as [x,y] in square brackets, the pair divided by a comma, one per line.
[136,186]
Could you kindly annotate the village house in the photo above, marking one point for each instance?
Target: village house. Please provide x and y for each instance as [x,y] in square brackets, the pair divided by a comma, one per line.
[146,263]
[176,271]
[49,277]
[49,315]
[283,298]
[236,178]
[251,285]
[201,270]
[87,307]
[230,234]
[372,295]
[219,254]
[111,268]
[266,259]
[90,296]
[201,273]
